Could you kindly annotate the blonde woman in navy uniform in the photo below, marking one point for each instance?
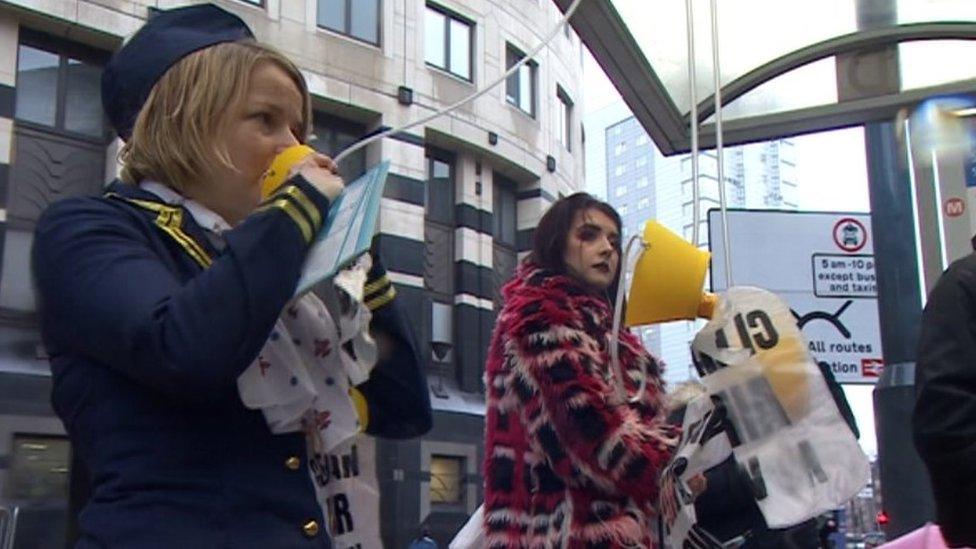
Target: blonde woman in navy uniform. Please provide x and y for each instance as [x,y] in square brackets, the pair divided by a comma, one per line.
[150,312]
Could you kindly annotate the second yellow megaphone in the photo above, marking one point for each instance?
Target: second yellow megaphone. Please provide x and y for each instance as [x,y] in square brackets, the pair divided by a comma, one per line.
[668,280]
[278,172]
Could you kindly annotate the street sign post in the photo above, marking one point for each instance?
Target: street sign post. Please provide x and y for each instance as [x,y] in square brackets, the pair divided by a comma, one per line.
[822,265]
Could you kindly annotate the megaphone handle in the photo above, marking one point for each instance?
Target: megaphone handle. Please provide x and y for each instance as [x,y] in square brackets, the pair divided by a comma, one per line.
[615,369]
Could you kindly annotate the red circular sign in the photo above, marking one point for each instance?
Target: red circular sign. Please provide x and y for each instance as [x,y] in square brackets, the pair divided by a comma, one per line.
[954,207]
[850,235]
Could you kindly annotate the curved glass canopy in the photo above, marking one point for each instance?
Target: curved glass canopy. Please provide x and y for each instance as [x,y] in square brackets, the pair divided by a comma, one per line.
[786,67]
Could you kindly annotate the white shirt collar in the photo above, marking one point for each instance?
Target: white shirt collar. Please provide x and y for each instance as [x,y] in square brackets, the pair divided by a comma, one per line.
[204,217]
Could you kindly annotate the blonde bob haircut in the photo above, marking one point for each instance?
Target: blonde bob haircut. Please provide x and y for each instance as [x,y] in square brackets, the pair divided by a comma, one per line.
[175,139]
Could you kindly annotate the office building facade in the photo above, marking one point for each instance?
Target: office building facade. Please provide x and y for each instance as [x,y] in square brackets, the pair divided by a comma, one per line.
[463,196]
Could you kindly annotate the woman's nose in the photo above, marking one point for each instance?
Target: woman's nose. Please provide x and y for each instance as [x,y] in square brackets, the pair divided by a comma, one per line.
[285,139]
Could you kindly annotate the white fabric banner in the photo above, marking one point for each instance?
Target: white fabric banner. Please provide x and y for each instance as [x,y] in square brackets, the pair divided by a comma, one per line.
[346,486]
[769,406]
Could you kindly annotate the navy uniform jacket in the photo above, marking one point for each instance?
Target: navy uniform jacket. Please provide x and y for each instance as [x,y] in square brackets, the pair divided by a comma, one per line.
[148,327]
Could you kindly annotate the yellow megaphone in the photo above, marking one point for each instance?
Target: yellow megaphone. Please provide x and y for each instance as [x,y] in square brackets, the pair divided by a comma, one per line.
[278,172]
[668,280]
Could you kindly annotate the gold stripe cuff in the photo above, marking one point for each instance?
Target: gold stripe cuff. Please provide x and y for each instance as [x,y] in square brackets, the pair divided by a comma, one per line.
[376,284]
[305,202]
[381,300]
[296,216]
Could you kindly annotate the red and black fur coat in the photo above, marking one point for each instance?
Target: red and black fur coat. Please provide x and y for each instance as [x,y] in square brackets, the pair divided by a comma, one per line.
[564,465]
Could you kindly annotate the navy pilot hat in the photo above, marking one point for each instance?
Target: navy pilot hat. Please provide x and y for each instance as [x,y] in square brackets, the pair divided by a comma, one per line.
[166,38]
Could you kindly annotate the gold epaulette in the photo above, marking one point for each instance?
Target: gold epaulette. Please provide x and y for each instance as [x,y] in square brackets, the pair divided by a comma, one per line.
[170,220]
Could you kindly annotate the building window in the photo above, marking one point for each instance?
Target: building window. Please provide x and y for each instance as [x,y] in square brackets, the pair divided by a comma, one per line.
[620,169]
[642,139]
[38,469]
[622,210]
[504,211]
[446,479]
[439,190]
[619,148]
[642,181]
[359,19]
[441,332]
[520,86]
[447,42]
[643,203]
[332,135]
[59,86]
[641,160]
[439,226]
[621,190]
[16,285]
[564,118]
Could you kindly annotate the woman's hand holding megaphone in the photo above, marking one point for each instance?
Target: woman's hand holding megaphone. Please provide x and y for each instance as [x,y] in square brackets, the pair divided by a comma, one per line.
[319,170]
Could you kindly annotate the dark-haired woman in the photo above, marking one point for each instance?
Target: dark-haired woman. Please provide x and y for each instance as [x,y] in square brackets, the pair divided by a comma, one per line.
[567,462]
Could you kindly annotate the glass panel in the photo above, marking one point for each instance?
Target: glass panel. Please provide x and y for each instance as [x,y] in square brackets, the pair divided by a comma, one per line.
[925,63]
[38,469]
[563,120]
[504,211]
[16,287]
[914,11]
[83,104]
[332,136]
[663,36]
[37,85]
[461,49]
[435,32]
[808,86]
[527,84]
[512,83]
[445,479]
[332,15]
[365,20]
[441,331]
[439,192]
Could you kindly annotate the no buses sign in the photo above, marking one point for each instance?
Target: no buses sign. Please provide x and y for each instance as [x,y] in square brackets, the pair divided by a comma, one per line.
[822,264]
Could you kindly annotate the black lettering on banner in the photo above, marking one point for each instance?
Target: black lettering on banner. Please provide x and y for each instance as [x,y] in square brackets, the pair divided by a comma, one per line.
[354,459]
[706,364]
[326,467]
[754,410]
[756,481]
[693,431]
[744,338]
[320,469]
[766,340]
[718,401]
[721,341]
[333,461]
[340,517]
[817,474]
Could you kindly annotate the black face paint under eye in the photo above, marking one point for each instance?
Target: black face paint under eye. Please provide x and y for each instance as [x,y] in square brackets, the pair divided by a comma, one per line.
[586,234]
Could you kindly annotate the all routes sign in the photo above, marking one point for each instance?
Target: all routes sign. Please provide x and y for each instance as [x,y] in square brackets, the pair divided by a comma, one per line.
[822,264]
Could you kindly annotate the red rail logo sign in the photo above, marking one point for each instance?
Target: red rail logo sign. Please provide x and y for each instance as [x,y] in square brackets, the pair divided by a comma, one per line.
[954,207]
[871,367]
